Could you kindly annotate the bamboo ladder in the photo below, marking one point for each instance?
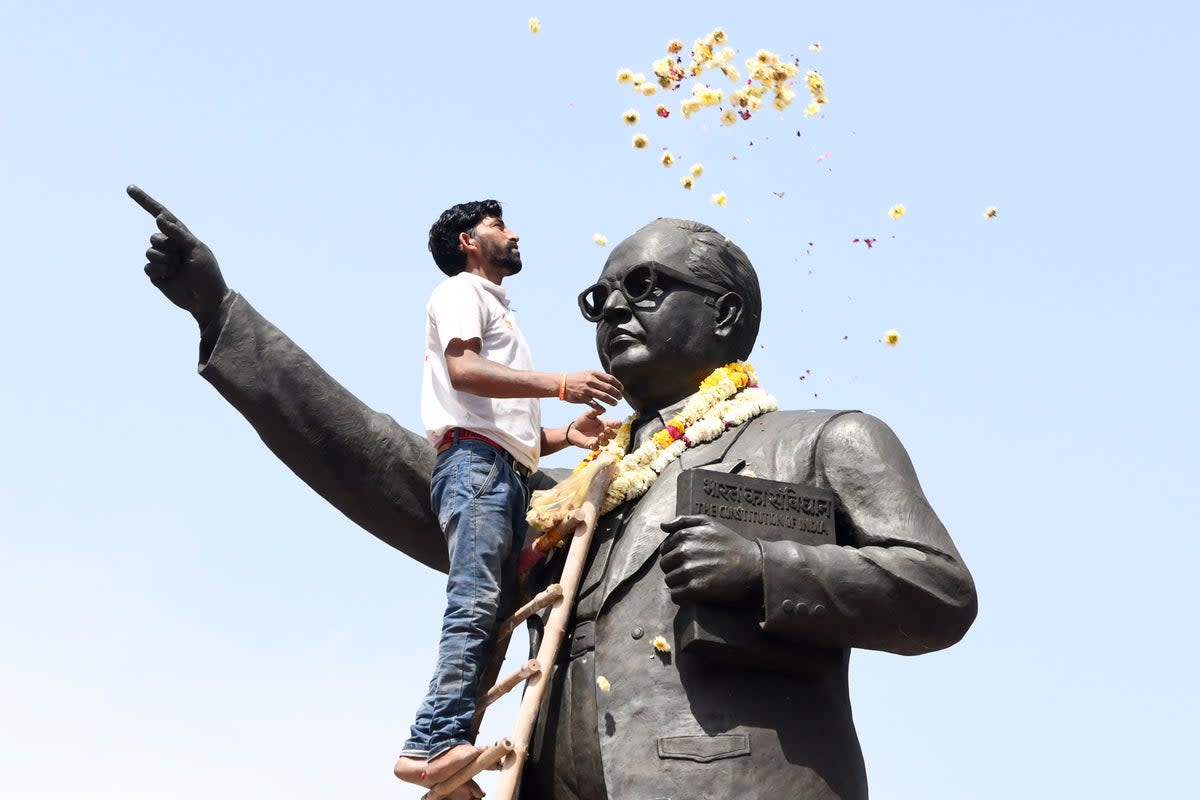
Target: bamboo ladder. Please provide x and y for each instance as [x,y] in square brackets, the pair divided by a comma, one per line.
[512,751]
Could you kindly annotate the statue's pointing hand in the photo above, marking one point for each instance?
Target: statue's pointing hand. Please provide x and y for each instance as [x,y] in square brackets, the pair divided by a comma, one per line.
[180,265]
[706,562]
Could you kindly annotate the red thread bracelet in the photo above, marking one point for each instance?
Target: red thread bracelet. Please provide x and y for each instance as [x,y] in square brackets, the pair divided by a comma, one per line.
[562,387]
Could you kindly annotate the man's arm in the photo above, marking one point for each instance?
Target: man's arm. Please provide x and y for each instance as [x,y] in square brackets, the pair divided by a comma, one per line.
[470,372]
[587,431]
[898,582]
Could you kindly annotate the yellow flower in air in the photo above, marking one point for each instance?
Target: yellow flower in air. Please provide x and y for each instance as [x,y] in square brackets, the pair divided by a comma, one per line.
[896,211]
[603,683]
[728,117]
[674,46]
[718,36]
[535,24]
[648,89]
[690,106]
[891,338]
[697,170]
[667,159]
[631,117]
[687,182]
[811,110]
[661,644]
[640,140]
[600,239]
[624,76]
[815,47]
[720,198]
[990,212]
[638,78]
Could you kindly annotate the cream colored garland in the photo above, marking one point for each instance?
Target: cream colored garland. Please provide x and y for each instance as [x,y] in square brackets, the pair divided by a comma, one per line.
[727,398]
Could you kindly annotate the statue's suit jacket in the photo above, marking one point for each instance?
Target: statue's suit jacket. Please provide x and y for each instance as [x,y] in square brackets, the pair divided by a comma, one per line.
[672,725]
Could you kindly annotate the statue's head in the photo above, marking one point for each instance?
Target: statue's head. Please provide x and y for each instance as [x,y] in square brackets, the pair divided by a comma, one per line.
[675,301]
[463,225]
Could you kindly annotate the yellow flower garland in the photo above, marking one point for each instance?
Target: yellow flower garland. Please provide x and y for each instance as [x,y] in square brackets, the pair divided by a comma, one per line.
[728,397]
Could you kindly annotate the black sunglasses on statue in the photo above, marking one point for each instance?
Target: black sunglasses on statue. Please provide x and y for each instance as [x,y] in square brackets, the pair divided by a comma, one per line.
[638,284]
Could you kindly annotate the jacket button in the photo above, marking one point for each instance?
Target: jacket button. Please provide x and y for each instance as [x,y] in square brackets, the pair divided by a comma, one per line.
[788,606]
[637,633]
[818,610]
[801,607]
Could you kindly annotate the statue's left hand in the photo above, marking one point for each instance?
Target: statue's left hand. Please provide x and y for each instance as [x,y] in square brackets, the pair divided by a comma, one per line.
[705,561]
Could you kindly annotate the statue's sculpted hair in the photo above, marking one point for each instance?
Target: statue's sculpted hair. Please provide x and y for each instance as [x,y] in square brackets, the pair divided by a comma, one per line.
[714,258]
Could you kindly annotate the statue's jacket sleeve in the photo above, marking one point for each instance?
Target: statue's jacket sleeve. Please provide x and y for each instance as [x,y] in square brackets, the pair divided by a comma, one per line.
[894,581]
[370,468]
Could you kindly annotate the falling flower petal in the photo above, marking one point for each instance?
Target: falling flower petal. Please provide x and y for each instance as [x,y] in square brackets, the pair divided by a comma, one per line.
[990,212]
[603,683]
[631,117]
[815,47]
[892,338]
[667,159]
[600,239]
[640,140]
[535,24]
[720,198]
[697,170]
[896,211]
[624,76]
[661,644]
[662,111]
[686,182]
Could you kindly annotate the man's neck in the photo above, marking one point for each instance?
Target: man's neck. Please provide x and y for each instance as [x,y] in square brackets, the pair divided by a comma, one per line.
[486,271]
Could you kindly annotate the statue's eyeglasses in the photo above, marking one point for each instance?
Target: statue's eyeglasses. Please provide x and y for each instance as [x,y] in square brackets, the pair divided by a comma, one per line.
[638,285]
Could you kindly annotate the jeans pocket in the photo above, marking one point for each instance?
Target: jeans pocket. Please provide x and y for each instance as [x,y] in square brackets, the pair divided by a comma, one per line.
[482,474]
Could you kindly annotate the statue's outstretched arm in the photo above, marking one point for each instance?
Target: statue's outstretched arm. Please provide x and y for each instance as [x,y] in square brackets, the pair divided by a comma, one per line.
[371,469]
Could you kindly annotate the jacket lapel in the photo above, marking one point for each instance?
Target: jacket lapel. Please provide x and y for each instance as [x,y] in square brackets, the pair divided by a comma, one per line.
[643,533]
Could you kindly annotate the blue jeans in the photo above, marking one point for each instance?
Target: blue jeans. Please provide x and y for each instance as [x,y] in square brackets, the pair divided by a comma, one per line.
[480,503]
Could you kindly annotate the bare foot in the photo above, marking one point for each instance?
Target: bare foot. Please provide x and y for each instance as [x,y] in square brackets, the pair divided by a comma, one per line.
[429,773]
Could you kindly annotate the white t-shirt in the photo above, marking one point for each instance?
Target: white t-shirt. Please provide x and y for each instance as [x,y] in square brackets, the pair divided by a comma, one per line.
[468,306]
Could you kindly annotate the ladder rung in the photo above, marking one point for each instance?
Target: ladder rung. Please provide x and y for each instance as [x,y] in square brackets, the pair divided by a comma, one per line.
[546,597]
[492,755]
[505,685]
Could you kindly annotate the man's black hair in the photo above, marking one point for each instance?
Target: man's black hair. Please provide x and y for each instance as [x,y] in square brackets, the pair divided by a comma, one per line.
[443,236]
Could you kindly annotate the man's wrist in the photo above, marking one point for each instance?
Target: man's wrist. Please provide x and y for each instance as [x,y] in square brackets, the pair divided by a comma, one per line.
[567,436]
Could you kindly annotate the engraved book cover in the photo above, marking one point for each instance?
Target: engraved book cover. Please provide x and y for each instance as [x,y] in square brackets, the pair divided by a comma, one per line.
[766,510]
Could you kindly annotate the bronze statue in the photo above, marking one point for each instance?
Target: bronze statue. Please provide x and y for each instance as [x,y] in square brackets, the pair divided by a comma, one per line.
[762,710]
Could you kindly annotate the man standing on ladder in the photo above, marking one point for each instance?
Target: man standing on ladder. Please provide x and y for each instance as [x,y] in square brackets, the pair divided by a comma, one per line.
[480,405]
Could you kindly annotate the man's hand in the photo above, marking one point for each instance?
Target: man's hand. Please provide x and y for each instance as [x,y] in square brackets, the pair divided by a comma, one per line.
[180,265]
[706,562]
[590,431]
[590,386]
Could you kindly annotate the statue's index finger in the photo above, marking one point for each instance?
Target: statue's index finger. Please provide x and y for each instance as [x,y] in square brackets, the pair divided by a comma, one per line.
[152,206]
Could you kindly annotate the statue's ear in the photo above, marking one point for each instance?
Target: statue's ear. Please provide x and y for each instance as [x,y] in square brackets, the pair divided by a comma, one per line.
[729,314]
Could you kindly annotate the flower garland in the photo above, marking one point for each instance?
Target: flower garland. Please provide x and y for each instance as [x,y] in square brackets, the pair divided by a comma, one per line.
[726,398]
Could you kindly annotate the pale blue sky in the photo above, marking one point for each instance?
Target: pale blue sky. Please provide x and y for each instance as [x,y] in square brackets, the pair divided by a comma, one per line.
[183,618]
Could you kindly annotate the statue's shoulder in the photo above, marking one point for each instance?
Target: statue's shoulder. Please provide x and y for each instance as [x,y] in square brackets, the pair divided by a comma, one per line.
[784,436]
[800,422]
